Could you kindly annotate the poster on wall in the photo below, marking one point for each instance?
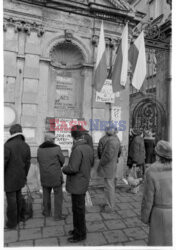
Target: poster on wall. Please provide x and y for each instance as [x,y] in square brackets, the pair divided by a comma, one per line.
[106,94]
[65,87]
[62,133]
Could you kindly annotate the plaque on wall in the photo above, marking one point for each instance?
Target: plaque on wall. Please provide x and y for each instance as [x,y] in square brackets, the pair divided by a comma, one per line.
[66,96]
[65,88]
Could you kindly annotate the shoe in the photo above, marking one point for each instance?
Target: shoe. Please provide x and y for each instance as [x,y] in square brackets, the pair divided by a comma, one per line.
[10,227]
[46,214]
[107,210]
[76,239]
[62,217]
[71,232]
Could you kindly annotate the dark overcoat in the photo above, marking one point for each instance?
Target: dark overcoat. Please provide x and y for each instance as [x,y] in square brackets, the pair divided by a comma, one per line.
[136,152]
[156,207]
[17,158]
[51,159]
[79,167]
[149,143]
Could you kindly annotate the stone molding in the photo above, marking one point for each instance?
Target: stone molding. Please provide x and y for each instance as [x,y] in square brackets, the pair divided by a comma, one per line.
[120,12]
[58,38]
[23,26]
[110,42]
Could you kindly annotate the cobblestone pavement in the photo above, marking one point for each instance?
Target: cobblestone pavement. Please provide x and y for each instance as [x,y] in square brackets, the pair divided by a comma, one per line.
[122,228]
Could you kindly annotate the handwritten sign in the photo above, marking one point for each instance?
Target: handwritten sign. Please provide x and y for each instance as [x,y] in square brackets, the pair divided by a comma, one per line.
[106,94]
[116,116]
[115,113]
[63,134]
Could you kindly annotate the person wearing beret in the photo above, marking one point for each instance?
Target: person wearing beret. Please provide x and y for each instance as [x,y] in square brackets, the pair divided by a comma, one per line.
[156,209]
[77,182]
[109,151]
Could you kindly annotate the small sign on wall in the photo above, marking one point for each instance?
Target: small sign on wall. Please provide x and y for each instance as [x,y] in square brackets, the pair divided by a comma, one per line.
[116,113]
[116,117]
[106,94]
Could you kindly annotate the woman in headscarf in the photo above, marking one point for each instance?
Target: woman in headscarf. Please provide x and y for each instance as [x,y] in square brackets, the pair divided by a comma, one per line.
[156,207]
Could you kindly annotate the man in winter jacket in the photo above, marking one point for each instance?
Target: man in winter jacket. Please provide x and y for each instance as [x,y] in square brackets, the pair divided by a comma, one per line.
[78,176]
[16,166]
[136,153]
[107,166]
[51,160]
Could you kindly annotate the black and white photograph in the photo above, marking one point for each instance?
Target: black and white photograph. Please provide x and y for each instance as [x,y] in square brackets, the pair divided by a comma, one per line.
[87,128]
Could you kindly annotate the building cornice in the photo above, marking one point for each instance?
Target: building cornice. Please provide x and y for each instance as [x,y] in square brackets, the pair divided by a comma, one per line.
[91,9]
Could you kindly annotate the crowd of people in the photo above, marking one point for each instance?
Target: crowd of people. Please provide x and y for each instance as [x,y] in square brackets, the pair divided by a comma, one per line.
[148,163]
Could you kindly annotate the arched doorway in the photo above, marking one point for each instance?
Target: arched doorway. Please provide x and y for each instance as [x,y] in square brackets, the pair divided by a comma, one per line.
[66,83]
[150,114]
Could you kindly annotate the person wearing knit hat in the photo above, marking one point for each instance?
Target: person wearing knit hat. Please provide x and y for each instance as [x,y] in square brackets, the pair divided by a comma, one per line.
[17,158]
[77,182]
[156,209]
[51,160]
[109,150]
[163,150]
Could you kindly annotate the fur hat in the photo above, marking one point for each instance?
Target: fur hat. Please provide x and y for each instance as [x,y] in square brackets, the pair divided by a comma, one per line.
[163,149]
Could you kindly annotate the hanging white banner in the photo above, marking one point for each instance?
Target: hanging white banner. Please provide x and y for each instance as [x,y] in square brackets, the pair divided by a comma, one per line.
[106,94]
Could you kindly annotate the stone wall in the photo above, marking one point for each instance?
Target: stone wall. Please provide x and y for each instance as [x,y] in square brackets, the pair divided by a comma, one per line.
[30,34]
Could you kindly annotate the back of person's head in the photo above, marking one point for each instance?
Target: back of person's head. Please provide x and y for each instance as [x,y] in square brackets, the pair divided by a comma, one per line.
[14,129]
[111,129]
[77,132]
[164,151]
[49,137]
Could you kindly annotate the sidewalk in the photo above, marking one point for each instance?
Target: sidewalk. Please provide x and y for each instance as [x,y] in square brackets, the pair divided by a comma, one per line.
[123,228]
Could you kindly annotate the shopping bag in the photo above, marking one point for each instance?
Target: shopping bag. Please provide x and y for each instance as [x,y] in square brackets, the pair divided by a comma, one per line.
[88,200]
[26,206]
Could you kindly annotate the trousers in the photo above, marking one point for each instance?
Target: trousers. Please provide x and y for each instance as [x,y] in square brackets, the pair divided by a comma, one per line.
[109,192]
[58,201]
[78,209]
[14,205]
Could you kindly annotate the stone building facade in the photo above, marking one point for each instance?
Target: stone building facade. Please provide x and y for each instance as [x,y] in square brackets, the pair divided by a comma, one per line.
[50,49]
[151,106]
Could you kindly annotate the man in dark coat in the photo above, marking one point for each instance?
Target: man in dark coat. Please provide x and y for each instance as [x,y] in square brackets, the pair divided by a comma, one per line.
[16,166]
[136,152]
[149,142]
[78,176]
[51,160]
[109,155]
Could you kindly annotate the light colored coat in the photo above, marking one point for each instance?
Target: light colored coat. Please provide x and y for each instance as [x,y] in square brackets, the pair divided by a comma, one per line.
[108,162]
[156,207]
